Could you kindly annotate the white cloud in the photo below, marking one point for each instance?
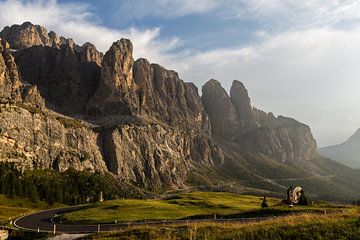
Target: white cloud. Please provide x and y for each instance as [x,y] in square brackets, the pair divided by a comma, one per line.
[272,13]
[295,13]
[76,21]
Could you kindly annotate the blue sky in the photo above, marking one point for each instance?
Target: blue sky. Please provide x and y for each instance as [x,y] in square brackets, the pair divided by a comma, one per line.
[297,58]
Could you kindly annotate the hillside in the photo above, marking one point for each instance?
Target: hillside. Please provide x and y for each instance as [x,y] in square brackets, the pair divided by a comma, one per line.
[347,153]
[67,106]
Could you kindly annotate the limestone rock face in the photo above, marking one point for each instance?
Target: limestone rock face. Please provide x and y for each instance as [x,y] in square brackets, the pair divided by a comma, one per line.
[31,96]
[9,76]
[38,139]
[27,35]
[233,119]
[163,95]
[221,111]
[116,92]
[157,157]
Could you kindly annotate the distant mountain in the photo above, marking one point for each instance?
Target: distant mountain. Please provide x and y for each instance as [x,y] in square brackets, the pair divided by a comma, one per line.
[347,153]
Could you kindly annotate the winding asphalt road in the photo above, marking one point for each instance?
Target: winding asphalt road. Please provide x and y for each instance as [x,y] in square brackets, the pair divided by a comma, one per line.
[43,222]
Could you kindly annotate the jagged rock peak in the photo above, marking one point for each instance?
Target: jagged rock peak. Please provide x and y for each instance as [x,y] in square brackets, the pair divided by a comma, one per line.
[89,53]
[240,99]
[163,95]
[213,84]
[27,35]
[221,111]
[116,92]
[119,58]
[233,119]
[238,91]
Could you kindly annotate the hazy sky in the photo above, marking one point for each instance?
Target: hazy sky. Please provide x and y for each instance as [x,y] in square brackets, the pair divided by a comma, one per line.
[297,58]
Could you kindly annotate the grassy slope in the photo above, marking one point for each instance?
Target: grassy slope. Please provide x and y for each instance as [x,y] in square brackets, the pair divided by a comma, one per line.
[180,206]
[189,205]
[344,225]
[254,173]
[11,208]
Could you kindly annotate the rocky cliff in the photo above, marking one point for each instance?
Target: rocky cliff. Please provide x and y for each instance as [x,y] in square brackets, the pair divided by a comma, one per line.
[9,75]
[233,119]
[27,35]
[68,106]
[34,136]
[66,78]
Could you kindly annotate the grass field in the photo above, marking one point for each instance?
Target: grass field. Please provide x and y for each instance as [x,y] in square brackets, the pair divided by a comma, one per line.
[339,225]
[188,205]
[176,207]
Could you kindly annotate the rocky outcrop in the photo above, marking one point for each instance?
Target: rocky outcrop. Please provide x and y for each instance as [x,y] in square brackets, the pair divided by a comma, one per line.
[38,139]
[241,101]
[89,54]
[116,92]
[9,76]
[65,79]
[12,90]
[27,35]
[164,96]
[155,156]
[233,119]
[222,113]
[31,96]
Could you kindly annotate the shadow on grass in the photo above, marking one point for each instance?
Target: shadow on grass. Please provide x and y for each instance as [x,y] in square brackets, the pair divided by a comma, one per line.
[267,212]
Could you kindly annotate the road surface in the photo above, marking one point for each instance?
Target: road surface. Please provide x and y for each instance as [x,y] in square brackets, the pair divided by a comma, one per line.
[43,222]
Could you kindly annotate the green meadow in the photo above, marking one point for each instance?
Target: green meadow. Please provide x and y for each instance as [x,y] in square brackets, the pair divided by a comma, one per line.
[193,205]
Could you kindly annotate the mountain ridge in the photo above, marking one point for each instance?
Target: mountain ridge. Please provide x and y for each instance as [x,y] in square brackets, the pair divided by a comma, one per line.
[141,122]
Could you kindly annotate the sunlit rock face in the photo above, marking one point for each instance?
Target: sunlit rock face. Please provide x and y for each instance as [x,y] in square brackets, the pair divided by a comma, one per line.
[9,76]
[27,35]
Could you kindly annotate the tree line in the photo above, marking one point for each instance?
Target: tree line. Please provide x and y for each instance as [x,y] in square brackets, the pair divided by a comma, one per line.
[70,187]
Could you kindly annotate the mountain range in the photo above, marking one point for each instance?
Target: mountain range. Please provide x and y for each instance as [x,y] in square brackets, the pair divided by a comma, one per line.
[347,153]
[68,106]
